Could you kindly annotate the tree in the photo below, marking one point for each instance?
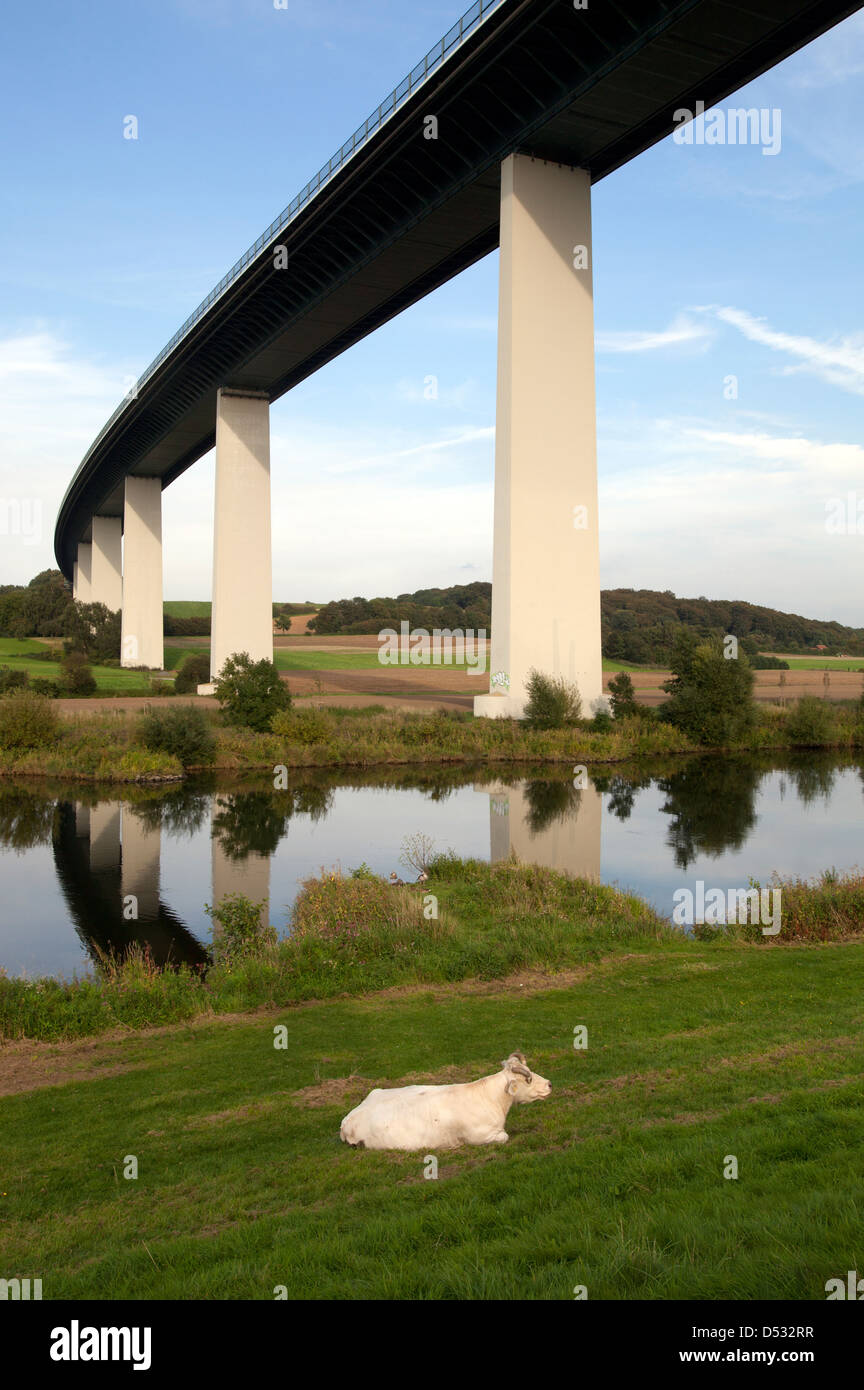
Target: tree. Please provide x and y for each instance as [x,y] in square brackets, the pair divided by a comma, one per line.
[76,678]
[622,696]
[711,695]
[282,617]
[251,692]
[94,630]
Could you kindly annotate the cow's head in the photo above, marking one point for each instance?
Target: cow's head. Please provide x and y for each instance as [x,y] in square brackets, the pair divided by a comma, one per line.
[524,1085]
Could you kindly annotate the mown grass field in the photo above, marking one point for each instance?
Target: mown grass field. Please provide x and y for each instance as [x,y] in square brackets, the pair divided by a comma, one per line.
[695,1052]
[825,663]
[187,608]
[20,656]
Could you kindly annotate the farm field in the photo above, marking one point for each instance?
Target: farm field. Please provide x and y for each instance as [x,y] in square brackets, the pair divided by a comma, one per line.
[112,680]
[616,1182]
[825,663]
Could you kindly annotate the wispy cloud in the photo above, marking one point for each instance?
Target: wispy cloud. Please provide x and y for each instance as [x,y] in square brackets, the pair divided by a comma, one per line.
[373,461]
[833,59]
[840,363]
[682,329]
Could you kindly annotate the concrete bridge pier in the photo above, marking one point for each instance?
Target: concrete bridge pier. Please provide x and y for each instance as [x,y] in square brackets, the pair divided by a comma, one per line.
[141,643]
[106,581]
[81,582]
[546,565]
[242,555]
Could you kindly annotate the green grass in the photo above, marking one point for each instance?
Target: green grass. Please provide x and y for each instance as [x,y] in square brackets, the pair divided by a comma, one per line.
[109,679]
[696,1052]
[823,663]
[104,746]
[351,936]
[187,608]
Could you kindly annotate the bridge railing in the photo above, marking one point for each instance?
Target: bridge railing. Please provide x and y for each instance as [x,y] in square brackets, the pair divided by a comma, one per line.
[468,24]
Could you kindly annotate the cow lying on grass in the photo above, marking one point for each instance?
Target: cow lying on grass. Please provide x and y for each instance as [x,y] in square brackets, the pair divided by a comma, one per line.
[443,1117]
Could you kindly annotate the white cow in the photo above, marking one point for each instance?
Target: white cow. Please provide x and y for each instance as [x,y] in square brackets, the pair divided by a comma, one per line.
[443,1117]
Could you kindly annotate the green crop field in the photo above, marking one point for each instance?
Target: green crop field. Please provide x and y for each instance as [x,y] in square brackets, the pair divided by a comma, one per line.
[183,608]
[110,680]
[825,663]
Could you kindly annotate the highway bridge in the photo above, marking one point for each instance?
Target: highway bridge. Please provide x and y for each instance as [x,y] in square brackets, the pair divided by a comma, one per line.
[494,139]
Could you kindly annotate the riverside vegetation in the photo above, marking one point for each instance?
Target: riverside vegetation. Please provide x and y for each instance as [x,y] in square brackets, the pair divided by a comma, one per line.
[352,935]
[257,728]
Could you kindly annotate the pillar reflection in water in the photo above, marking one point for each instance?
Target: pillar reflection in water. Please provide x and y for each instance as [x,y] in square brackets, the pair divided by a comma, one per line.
[548,824]
[106,855]
[248,874]
[142,849]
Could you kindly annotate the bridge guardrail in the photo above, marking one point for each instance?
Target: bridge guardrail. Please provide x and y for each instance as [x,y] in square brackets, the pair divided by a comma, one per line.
[455,36]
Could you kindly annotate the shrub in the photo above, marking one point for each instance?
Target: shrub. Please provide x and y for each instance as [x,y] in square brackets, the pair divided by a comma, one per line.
[251,692]
[76,678]
[553,703]
[195,671]
[12,680]
[239,931]
[304,726]
[712,696]
[94,630]
[27,720]
[622,696]
[182,731]
[811,723]
[41,686]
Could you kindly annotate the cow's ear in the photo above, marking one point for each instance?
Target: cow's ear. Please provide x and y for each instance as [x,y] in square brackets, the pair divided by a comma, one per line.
[511,1088]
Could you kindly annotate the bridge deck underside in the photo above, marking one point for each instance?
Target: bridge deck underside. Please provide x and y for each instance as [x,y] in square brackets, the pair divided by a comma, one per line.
[590,88]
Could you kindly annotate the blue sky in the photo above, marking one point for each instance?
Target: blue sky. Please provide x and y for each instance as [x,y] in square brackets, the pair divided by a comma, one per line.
[709,261]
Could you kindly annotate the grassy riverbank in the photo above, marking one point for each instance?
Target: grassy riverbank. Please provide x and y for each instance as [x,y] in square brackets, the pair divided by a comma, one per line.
[107,747]
[696,1052]
[354,935]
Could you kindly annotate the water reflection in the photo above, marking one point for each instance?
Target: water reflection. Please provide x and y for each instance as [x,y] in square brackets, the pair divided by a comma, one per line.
[107,860]
[549,823]
[137,867]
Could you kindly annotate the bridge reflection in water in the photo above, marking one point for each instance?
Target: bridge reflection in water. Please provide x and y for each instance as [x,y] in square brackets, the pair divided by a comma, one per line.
[108,860]
[551,824]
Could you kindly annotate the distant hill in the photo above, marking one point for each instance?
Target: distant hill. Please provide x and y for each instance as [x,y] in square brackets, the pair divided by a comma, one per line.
[639,625]
[460,606]
[192,617]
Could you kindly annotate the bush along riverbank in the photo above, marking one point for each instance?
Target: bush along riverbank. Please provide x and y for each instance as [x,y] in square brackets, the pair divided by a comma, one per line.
[167,742]
[467,921]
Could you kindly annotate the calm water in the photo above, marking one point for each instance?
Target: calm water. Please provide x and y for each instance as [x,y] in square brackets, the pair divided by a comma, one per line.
[71,858]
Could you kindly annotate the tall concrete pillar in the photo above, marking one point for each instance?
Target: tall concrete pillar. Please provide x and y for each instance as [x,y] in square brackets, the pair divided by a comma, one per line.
[142,575]
[107,567]
[546,567]
[82,588]
[242,558]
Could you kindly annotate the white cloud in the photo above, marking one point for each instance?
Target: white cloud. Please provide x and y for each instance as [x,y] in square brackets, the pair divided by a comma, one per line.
[732,514]
[683,329]
[840,363]
[52,405]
